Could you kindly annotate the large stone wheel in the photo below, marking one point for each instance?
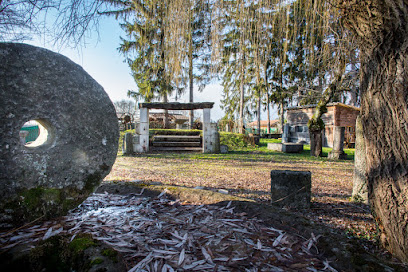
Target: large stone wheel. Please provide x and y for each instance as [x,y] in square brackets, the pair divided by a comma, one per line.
[78,138]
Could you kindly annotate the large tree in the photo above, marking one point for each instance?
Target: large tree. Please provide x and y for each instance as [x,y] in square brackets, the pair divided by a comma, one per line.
[382,28]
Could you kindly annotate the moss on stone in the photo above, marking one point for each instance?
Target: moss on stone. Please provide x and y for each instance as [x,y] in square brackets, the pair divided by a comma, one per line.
[79,244]
[34,198]
[96,261]
[111,254]
[46,203]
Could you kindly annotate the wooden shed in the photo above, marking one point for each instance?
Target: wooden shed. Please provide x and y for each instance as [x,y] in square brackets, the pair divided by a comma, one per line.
[338,114]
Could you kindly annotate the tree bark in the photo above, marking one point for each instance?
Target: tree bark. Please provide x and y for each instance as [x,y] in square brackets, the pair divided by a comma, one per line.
[281,116]
[191,78]
[267,101]
[360,193]
[166,113]
[382,29]
[316,143]
[242,96]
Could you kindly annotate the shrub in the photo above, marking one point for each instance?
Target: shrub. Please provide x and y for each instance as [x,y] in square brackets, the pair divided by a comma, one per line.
[234,140]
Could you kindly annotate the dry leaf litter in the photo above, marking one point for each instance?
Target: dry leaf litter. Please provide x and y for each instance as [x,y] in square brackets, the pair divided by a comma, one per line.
[159,234]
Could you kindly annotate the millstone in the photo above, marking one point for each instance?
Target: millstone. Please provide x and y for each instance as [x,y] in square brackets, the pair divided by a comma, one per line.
[78,139]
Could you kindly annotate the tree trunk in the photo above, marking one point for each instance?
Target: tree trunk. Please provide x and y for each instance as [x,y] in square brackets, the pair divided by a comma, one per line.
[191,78]
[382,29]
[281,116]
[241,100]
[267,101]
[166,114]
[316,144]
[258,80]
[360,193]
[385,125]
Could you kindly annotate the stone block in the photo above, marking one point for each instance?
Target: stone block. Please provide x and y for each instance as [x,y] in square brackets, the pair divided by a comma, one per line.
[291,189]
[292,148]
[224,149]
[75,150]
[286,147]
[127,147]
[275,146]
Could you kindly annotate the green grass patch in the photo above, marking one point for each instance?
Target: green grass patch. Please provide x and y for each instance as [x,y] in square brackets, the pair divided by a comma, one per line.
[239,148]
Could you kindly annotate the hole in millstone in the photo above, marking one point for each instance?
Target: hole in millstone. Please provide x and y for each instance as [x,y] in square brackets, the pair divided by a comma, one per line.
[36,133]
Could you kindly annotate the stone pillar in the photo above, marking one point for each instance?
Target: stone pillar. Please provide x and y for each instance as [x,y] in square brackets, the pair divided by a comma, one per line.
[338,141]
[360,191]
[127,147]
[23,134]
[207,131]
[291,189]
[285,134]
[144,129]
[215,139]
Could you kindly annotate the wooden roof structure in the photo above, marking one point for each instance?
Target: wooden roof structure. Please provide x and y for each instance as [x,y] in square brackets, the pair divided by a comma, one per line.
[176,105]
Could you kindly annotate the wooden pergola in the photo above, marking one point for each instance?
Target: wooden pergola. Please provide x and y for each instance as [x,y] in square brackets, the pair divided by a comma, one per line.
[144,120]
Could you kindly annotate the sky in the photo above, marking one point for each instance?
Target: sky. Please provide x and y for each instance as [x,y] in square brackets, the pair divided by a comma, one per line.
[101,59]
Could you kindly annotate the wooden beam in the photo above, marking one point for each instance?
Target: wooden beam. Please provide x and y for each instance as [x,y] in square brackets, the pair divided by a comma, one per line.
[177,106]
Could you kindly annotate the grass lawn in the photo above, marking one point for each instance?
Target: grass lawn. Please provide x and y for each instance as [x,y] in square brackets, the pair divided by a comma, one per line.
[245,172]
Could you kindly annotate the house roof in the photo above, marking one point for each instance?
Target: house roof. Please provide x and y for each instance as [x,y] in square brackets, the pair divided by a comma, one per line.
[328,105]
[264,123]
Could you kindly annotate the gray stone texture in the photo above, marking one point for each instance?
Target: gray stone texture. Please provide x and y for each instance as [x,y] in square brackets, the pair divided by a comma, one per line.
[360,191]
[215,139]
[127,147]
[291,189]
[82,141]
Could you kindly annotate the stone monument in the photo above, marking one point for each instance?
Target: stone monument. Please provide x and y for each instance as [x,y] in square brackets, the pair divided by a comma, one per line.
[78,139]
[291,189]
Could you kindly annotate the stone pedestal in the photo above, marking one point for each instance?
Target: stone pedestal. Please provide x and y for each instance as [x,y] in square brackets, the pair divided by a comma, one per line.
[207,148]
[215,139]
[285,134]
[338,141]
[224,149]
[291,189]
[286,147]
[144,129]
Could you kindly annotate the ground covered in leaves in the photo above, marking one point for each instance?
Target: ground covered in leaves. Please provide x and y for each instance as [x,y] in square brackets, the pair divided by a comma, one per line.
[206,212]
[247,175]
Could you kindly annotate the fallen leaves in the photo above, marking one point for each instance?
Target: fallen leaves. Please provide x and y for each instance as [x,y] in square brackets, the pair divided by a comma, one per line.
[158,234]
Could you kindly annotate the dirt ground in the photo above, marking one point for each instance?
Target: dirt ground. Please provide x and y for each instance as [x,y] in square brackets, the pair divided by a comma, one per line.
[249,177]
